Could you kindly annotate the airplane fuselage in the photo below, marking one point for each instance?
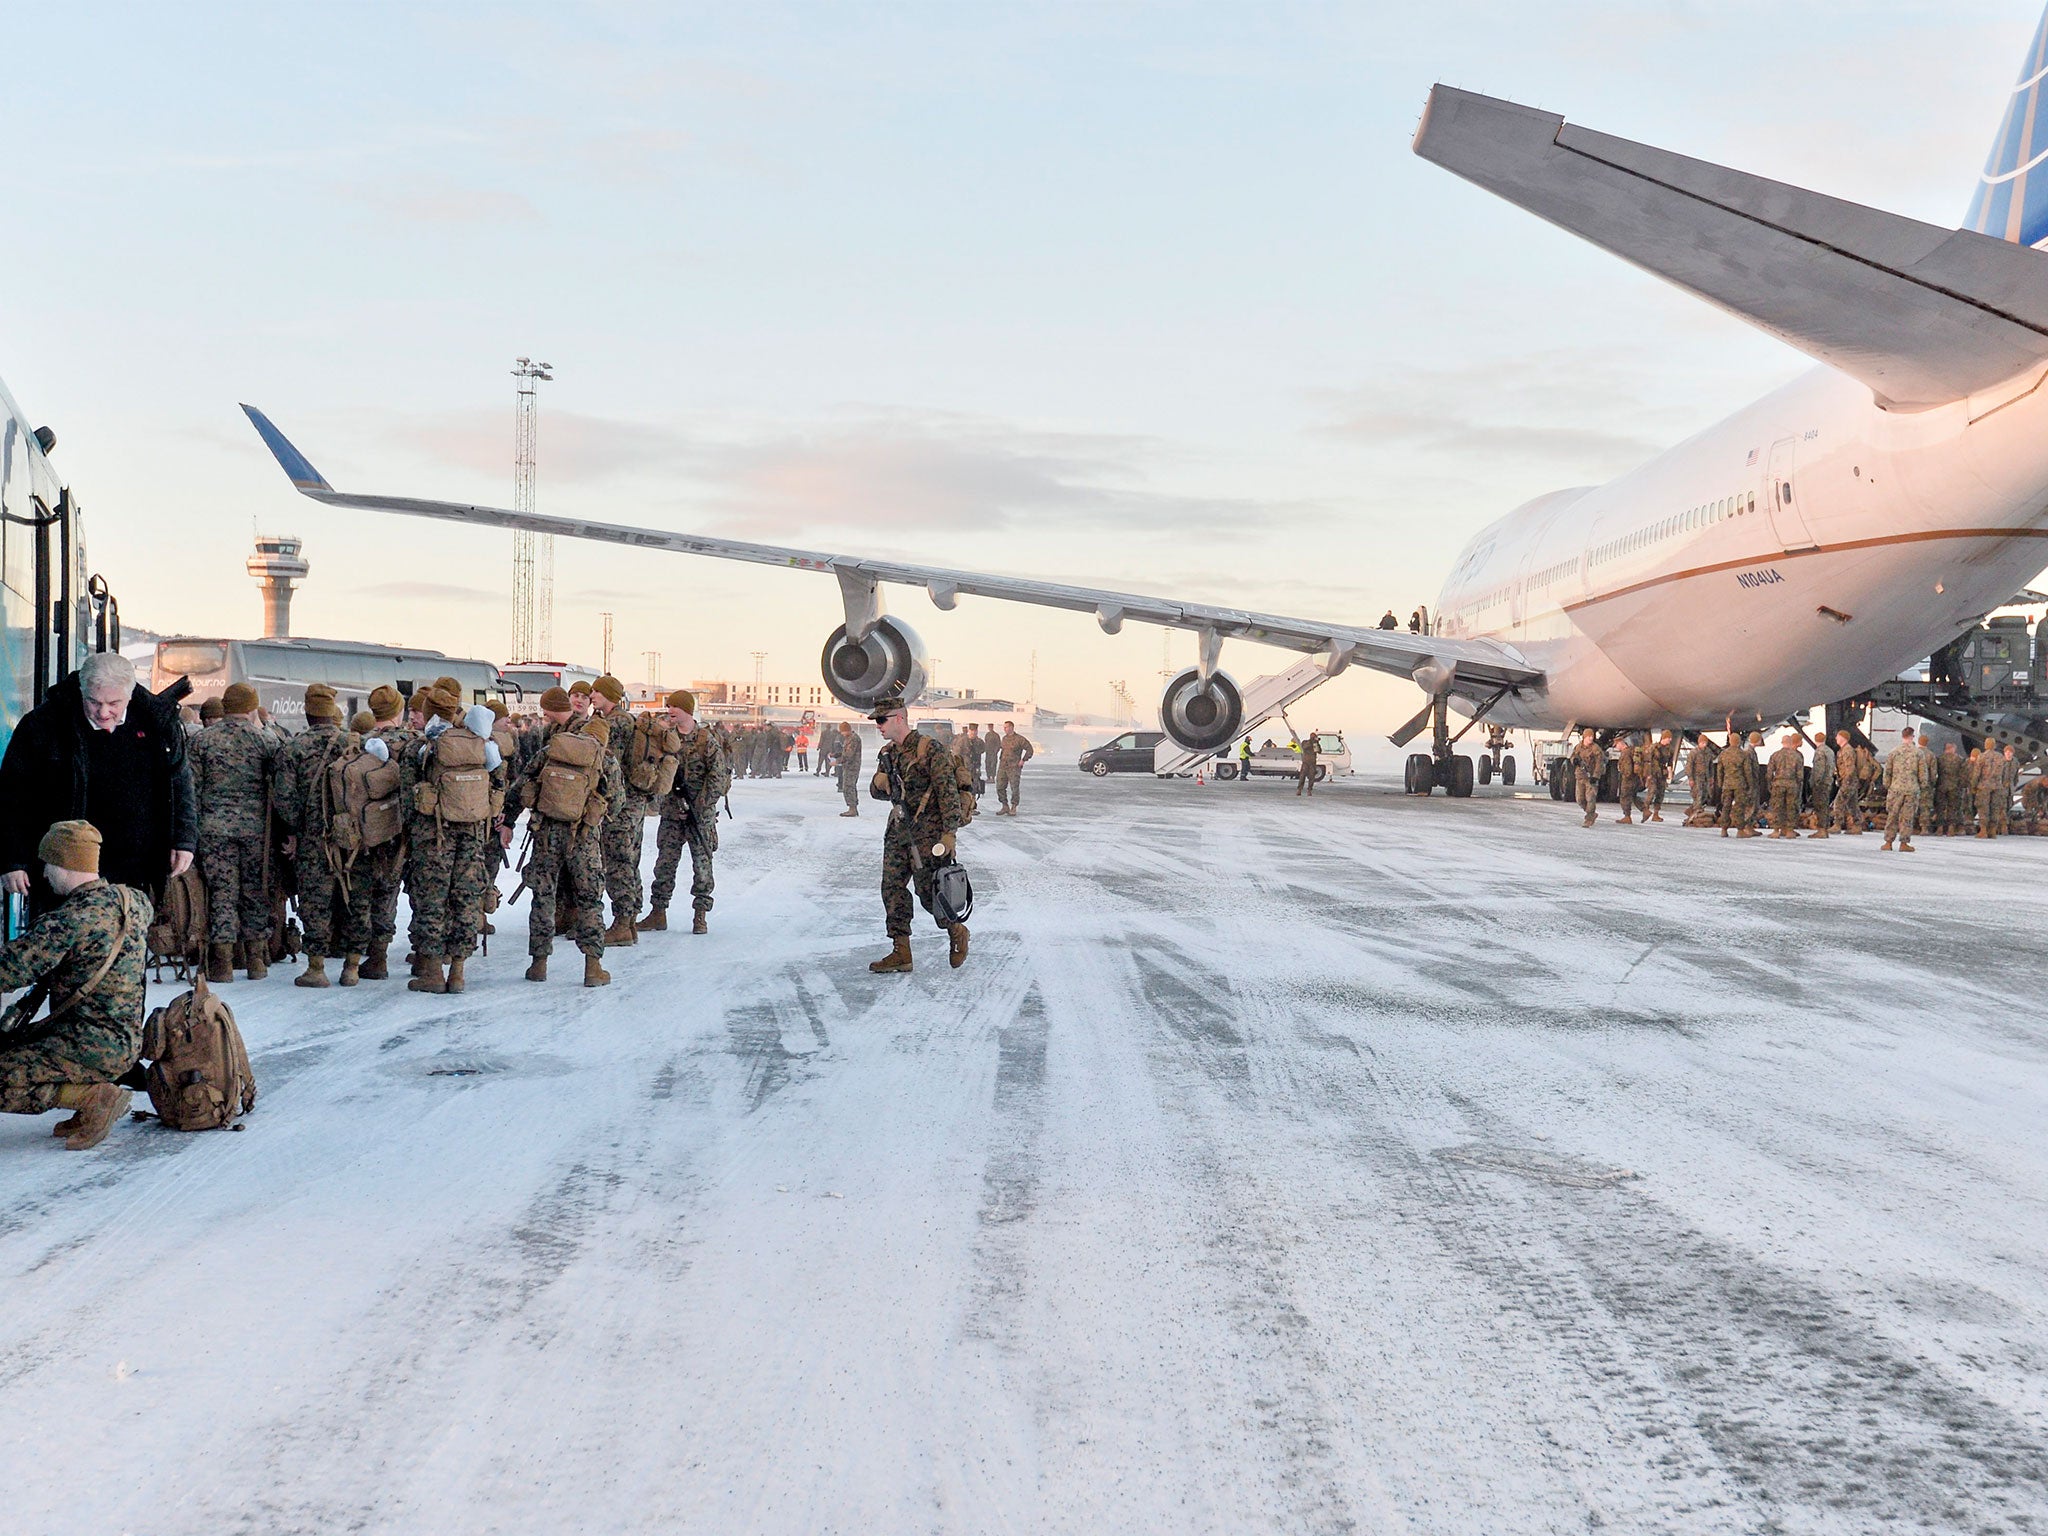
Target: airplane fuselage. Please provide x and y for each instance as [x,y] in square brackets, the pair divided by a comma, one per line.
[1806,547]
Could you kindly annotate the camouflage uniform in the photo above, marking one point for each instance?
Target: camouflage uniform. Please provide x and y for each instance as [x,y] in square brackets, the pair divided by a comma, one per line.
[1852,770]
[1699,775]
[849,770]
[1737,768]
[374,882]
[231,768]
[451,872]
[1013,753]
[1823,786]
[924,796]
[97,1038]
[689,818]
[2001,804]
[1659,757]
[298,792]
[1589,764]
[623,837]
[1983,792]
[1787,773]
[1903,773]
[1630,767]
[1949,780]
[565,859]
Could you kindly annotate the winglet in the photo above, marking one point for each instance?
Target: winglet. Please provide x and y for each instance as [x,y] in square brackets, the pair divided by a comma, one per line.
[290,460]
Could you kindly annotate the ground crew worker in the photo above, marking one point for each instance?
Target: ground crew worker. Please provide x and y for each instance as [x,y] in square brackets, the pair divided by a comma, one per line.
[298,784]
[1310,748]
[86,955]
[1660,757]
[1949,781]
[1244,761]
[453,872]
[1822,786]
[1589,763]
[689,816]
[1737,768]
[624,835]
[1902,778]
[563,854]
[1014,752]
[849,767]
[913,774]
[1786,773]
[231,768]
[374,882]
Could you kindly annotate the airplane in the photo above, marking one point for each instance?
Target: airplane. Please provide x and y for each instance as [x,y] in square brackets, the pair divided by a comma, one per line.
[1819,540]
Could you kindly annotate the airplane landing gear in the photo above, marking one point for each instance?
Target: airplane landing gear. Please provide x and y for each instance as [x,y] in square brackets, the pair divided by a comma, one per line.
[1440,766]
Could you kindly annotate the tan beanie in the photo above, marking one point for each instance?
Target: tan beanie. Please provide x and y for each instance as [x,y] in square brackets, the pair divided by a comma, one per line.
[362,722]
[449,686]
[498,709]
[443,703]
[72,845]
[210,711]
[238,699]
[385,702]
[320,704]
[579,686]
[684,700]
[611,688]
[556,699]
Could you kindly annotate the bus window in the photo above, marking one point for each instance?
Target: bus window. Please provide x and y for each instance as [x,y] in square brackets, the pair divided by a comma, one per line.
[191,658]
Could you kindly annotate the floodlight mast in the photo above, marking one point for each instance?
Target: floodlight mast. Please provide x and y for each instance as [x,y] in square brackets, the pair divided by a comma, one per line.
[533,578]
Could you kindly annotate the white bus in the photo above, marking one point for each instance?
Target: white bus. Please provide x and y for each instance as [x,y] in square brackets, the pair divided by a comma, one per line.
[279,670]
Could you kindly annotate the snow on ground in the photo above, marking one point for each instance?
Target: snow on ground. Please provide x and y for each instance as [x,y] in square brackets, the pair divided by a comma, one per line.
[1358,1164]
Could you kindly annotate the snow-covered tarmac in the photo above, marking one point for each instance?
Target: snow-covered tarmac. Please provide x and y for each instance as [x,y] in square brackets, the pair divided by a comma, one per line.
[1353,1164]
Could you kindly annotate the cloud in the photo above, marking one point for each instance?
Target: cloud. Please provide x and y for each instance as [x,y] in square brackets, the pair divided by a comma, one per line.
[440,200]
[434,592]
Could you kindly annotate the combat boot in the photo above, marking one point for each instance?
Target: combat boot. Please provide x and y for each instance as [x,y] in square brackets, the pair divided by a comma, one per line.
[956,952]
[851,811]
[594,973]
[697,923]
[1887,848]
[430,978]
[351,970]
[220,962]
[314,975]
[538,970]
[376,966]
[620,933]
[898,959]
[1624,819]
[1821,832]
[256,958]
[454,981]
[656,921]
[97,1109]
[1906,847]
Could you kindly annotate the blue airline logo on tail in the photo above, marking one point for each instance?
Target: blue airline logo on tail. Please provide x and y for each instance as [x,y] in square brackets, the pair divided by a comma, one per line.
[2011,201]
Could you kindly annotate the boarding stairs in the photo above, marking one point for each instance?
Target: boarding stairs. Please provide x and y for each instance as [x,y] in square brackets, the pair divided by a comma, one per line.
[1264,698]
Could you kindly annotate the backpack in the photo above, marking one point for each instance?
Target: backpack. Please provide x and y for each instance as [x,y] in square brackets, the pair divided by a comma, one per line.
[653,756]
[458,785]
[362,800]
[952,894]
[569,773]
[199,1077]
[177,934]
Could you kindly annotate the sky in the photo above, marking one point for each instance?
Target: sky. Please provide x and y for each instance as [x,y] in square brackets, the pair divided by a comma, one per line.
[1147,296]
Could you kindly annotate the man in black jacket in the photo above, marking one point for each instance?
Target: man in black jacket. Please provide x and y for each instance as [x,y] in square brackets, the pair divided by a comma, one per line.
[104,749]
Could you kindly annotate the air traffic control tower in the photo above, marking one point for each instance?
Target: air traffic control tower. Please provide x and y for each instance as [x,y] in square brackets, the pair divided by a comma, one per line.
[276,566]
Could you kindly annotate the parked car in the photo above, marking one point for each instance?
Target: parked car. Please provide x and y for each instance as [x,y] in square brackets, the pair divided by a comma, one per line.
[1131,752]
[1273,761]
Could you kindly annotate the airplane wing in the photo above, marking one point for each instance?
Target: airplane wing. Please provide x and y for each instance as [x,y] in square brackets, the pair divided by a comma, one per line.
[1467,667]
[1921,314]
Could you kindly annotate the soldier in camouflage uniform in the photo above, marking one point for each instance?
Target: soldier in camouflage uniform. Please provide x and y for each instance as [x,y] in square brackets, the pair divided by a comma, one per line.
[1589,764]
[86,956]
[689,818]
[1823,785]
[1904,775]
[2008,782]
[623,838]
[565,855]
[375,880]
[849,767]
[1629,766]
[1786,773]
[1013,752]
[1737,767]
[1660,758]
[298,791]
[231,767]
[1851,766]
[1949,779]
[918,778]
[1701,780]
[1982,789]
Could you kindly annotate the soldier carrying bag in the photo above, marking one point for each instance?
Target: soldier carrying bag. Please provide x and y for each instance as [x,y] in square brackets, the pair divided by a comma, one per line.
[199,1078]
[569,773]
[652,758]
[457,790]
[362,800]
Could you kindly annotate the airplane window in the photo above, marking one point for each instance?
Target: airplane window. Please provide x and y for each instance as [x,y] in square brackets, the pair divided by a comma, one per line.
[1786,491]
[1752,501]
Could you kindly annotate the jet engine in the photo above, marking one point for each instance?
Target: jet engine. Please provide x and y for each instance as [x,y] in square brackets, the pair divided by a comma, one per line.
[1201,716]
[890,660]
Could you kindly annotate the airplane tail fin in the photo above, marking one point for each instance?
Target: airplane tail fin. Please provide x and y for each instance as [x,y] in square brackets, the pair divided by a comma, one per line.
[1922,315]
[2011,200]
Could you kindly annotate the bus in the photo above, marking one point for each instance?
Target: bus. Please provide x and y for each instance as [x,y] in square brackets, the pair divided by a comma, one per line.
[52,614]
[534,678]
[280,669]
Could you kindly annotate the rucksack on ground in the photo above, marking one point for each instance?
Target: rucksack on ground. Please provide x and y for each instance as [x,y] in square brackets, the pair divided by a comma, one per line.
[198,1075]
[568,775]
[177,934]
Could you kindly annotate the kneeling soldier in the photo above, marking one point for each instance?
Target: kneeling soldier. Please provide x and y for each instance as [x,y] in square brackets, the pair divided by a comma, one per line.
[87,955]
[917,777]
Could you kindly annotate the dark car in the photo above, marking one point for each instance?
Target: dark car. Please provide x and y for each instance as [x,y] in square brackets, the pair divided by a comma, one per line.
[1131,752]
